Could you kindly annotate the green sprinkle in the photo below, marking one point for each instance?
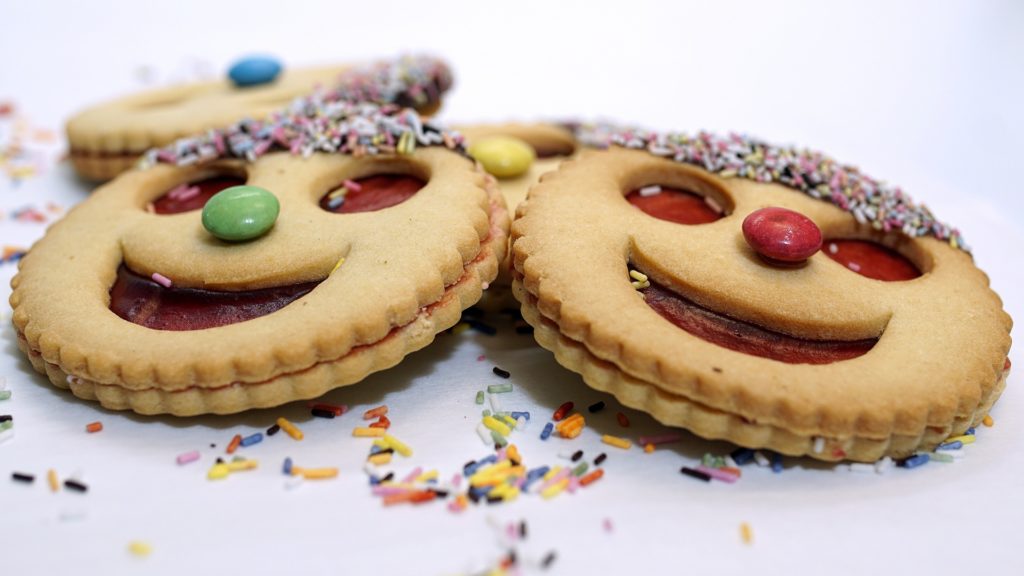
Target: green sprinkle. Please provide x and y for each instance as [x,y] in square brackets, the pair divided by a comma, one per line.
[480,397]
[580,469]
[499,439]
[6,425]
[485,413]
[500,388]
[941,457]
[5,394]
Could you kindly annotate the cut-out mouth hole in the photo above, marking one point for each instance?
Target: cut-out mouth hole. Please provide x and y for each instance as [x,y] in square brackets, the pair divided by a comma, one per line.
[144,302]
[748,338]
[194,195]
[371,193]
[675,205]
[871,259]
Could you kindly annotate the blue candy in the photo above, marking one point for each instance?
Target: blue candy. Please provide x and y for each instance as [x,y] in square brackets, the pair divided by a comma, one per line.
[254,70]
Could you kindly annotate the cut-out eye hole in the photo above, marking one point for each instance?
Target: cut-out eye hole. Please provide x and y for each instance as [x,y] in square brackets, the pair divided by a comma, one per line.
[371,193]
[675,205]
[871,259]
[194,195]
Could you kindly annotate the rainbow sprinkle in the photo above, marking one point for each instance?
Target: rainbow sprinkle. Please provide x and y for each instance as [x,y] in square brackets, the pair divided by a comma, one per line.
[872,202]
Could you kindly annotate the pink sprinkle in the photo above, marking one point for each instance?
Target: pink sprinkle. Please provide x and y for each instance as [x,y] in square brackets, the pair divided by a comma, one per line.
[412,475]
[178,190]
[192,192]
[607,525]
[382,490]
[161,279]
[574,483]
[481,358]
[555,479]
[660,439]
[188,457]
[718,474]
[353,186]
[456,480]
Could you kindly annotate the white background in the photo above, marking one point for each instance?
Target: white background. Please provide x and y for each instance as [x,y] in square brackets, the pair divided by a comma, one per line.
[925,94]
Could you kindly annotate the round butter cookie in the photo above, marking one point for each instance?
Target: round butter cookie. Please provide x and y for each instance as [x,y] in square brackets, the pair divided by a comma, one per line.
[360,233]
[108,138]
[681,274]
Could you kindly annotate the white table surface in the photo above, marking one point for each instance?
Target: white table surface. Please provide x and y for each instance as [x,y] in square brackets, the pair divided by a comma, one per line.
[926,94]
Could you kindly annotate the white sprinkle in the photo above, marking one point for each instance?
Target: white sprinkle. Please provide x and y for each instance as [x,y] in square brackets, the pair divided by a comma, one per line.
[293,482]
[713,204]
[495,403]
[650,190]
[484,434]
[833,248]
[819,445]
[729,462]
[73,514]
[861,467]
[883,465]
[520,423]
[762,460]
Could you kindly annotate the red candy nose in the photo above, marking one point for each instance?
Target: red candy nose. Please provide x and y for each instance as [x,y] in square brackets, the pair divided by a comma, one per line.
[781,235]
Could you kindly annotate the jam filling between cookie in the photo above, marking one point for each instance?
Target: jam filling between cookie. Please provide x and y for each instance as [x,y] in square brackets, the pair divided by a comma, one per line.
[176,203]
[749,338]
[142,301]
[372,193]
[871,259]
[676,205]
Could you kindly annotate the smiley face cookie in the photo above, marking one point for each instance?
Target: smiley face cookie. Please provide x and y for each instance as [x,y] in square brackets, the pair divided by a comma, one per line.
[109,138]
[681,274]
[361,233]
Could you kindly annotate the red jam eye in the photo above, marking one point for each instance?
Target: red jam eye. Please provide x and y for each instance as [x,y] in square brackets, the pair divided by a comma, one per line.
[675,205]
[193,195]
[871,259]
[371,193]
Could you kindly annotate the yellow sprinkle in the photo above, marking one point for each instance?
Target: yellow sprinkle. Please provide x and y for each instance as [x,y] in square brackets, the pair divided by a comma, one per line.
[510,421]
[218,472]
[551,473]
[338,265]
[513,454]
[512,494]
[649,448]
[240,465]
[638,276]
[289,428]
[965,439]
[318,473]
[616,441]
[336,193]
[746,533]
[381,443]
[51,477]
[380,459]
[988,421]
[367,432]
[425,477]
[496,425]
[396,444]
[555,489]
[138,548]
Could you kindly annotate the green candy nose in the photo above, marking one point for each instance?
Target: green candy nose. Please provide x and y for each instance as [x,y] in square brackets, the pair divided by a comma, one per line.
[240,213]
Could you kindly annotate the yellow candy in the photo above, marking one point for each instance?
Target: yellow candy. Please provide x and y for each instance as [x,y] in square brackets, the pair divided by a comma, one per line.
[218,472]
[503,156]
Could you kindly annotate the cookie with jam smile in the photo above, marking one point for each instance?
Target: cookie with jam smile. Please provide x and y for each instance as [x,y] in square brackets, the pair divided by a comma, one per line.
[109,138]
[248,268]
[764,295]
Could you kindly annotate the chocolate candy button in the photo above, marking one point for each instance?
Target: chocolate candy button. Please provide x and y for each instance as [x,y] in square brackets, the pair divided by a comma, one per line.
[240,213]
[254,70]
[781,235]
[503,156]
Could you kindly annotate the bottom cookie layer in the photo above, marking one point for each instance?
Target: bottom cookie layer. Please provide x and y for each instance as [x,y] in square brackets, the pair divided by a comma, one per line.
[710,423]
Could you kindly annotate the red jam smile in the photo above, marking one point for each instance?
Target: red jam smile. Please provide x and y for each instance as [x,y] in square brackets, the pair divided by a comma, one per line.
[675,205]
[373,193]
[183,199]
[146,303]
[748,338]
[871,259]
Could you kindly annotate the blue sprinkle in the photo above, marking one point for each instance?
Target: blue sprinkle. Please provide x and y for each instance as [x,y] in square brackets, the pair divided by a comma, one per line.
[516,415]
[254,70]
[742,456]
[534,475]
[374,449]
[776,462]
[914,461]
[252,439]
[333,203]
[374,480]
[970,431]
[287,468]
[956,445]
[546,433]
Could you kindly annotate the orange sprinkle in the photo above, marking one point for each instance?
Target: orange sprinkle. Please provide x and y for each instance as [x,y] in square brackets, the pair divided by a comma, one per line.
[649,447]
[988,421]
[734,471]
[382,422]
[233,445]
[51,478]
[375,412]
[423,496]
[746,533]
[592,477]
[94,427]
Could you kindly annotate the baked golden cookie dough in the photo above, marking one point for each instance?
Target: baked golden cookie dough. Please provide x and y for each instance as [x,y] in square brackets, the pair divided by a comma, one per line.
[109,138]
[130,301]
[885,342]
